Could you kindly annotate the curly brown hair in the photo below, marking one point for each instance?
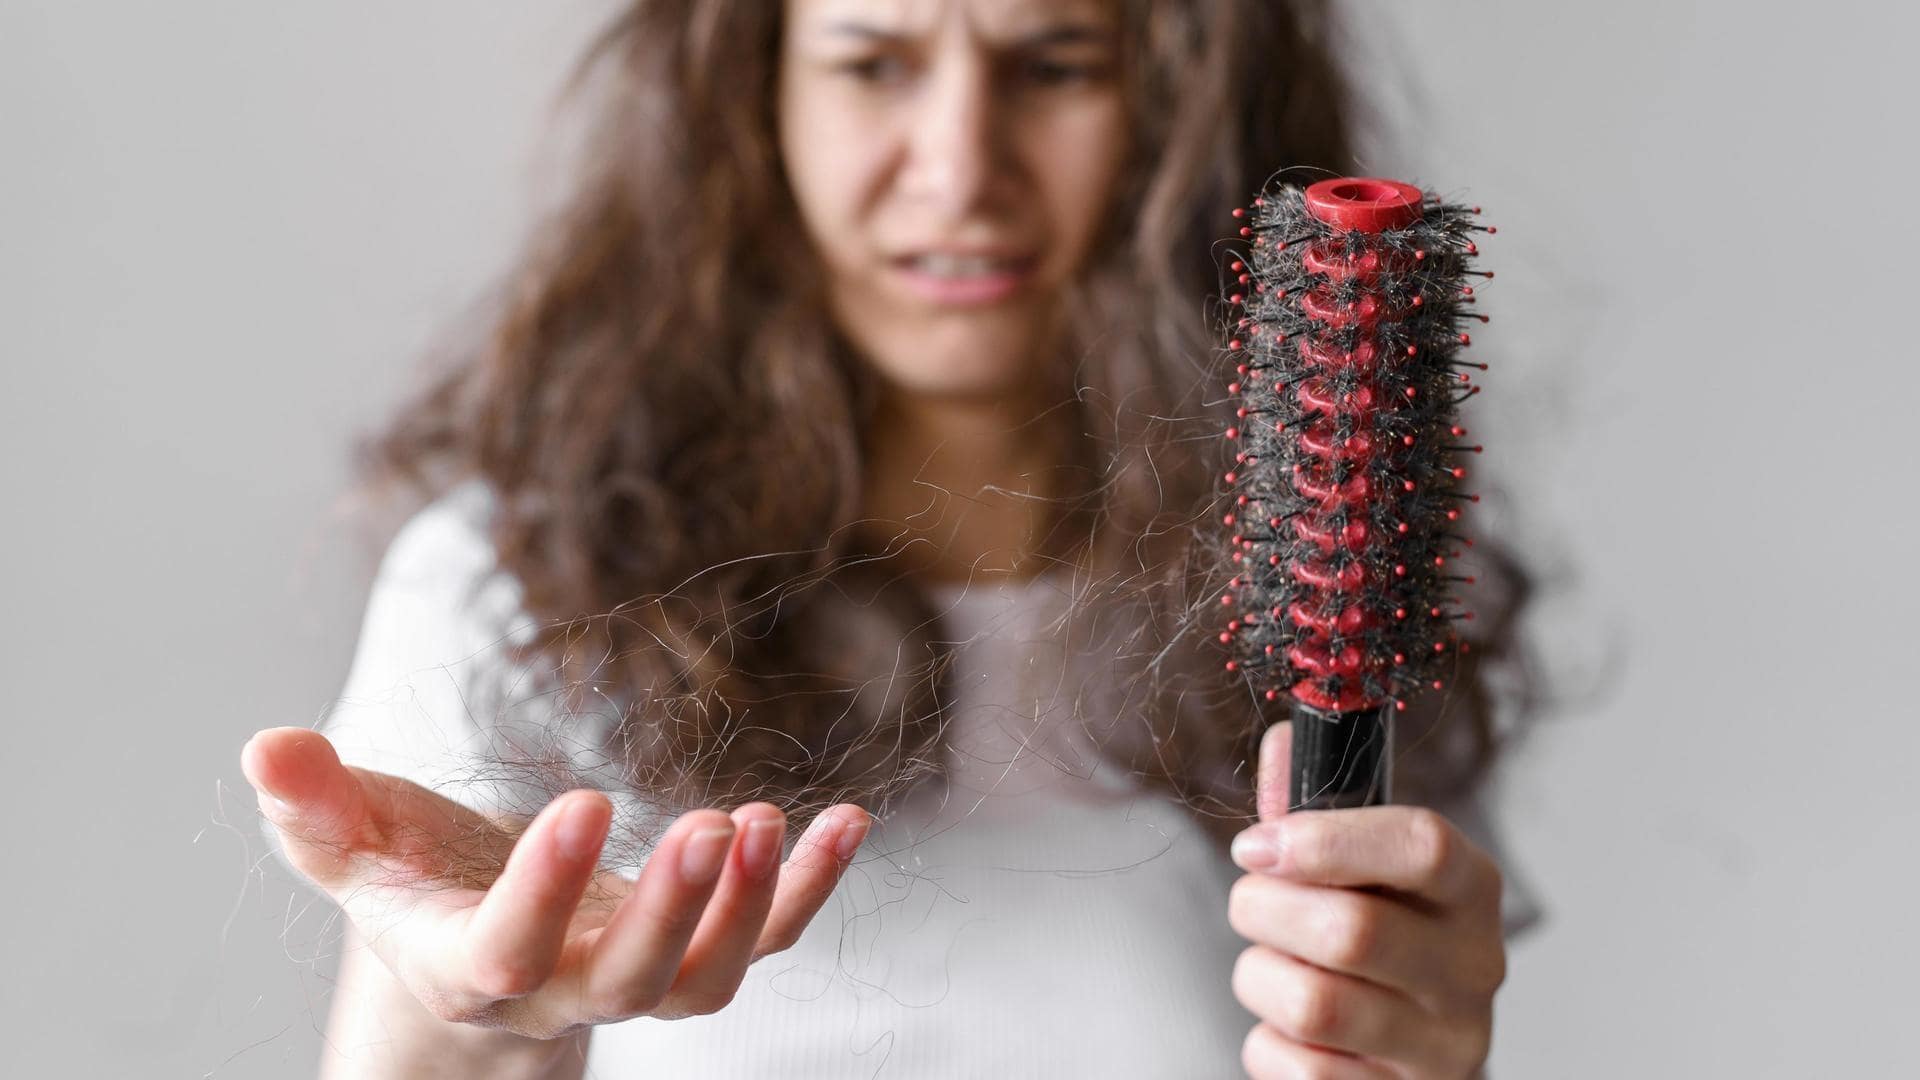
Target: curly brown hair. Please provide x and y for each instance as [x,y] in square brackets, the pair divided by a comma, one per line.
[674,430]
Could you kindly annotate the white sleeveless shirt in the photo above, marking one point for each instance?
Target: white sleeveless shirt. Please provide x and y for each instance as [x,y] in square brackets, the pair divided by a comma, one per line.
[1038,916]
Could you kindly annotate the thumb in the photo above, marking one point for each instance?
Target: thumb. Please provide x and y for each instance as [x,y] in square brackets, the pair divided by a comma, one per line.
[1271,796]
[316,803]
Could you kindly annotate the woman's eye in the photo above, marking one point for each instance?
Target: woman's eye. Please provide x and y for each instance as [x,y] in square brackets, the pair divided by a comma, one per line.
[1054,73]
[875,69]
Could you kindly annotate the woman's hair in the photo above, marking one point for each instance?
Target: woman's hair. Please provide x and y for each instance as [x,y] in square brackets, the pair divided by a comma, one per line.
[673,430]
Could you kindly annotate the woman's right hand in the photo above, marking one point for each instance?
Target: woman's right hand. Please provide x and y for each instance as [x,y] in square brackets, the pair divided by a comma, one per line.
[551,944]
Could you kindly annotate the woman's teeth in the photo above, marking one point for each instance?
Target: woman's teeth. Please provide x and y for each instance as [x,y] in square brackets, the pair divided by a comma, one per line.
[962,266]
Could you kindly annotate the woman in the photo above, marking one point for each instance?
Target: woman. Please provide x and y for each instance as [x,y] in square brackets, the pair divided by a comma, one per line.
[856,385]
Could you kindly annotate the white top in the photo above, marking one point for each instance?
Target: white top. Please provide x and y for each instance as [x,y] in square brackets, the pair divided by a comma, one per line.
[1041,916]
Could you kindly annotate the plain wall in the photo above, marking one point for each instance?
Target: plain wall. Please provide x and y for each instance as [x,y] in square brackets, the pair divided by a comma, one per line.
[229,229]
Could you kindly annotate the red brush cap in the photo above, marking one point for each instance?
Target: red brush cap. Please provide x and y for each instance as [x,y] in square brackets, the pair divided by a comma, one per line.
[1364,203]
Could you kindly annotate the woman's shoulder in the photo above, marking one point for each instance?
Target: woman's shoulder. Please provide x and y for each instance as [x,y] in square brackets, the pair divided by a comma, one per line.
[440,577]
[424,691]
[444,543]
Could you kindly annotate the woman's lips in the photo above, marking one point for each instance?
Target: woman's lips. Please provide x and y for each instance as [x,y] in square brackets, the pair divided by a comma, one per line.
[963,281]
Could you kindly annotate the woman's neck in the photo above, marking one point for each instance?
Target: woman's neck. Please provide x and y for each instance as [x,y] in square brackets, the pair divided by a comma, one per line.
[967,487]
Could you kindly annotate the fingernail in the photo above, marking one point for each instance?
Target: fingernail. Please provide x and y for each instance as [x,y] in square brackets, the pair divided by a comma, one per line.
[850,838]
[1256,849]
[703,853]
[578,834]
[270,804]
[760,851]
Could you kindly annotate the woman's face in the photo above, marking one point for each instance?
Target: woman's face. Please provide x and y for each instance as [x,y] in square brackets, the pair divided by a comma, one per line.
[952,161]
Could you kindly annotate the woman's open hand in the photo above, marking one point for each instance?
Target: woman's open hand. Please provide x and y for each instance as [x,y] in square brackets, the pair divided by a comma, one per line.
[1377,943]
[544,943]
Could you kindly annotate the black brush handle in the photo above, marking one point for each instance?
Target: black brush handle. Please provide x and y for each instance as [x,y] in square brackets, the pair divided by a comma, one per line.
[1341,760]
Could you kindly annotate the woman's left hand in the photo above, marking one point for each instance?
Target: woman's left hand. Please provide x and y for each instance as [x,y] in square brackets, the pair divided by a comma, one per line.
[1377,942]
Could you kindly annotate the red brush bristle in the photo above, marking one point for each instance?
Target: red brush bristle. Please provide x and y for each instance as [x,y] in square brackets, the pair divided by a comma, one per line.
[1345,475]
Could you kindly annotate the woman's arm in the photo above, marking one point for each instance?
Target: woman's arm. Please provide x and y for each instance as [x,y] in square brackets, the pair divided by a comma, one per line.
[378,1029]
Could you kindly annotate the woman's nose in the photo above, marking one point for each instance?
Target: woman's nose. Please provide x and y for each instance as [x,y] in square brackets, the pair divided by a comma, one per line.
[955,139]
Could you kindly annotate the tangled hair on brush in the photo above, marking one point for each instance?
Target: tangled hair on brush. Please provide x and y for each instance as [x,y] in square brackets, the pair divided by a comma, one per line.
[1346,521]
[678,489]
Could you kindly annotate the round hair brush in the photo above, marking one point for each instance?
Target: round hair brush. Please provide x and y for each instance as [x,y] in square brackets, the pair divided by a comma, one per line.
[1345,488]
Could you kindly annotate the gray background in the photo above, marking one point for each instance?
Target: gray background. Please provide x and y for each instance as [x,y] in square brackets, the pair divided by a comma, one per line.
[227,229]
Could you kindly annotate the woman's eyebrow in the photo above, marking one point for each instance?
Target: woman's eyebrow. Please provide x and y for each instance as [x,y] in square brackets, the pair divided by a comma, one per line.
[1061,34]
[1066,34]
